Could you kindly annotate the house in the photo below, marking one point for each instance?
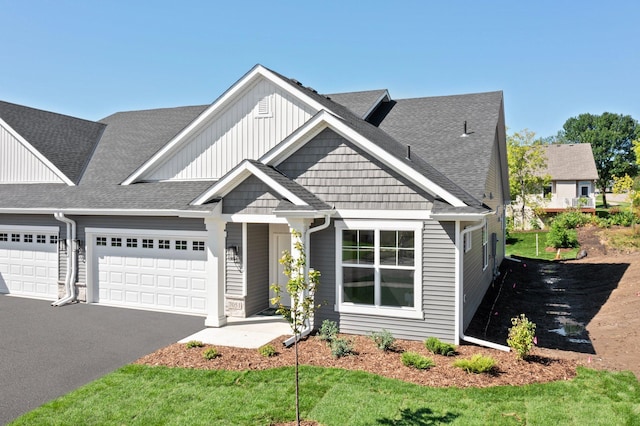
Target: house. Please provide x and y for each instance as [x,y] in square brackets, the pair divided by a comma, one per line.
[573,178]
[400,204]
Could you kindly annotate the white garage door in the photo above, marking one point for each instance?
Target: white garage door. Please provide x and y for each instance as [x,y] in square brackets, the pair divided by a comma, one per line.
[29,262]
[144,271]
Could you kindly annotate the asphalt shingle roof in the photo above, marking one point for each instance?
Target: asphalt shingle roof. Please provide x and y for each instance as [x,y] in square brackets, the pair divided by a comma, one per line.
[358,102]
[67,142]
[570,162]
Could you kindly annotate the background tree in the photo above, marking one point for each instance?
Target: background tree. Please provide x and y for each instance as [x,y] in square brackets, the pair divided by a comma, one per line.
[611,137]
[301,286]
[527,164]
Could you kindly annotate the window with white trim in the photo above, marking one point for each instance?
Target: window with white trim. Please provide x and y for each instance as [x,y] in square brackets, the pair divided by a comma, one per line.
[116,242]
[41,239]
[181,245]
[164,244]
[147,243]
[15,238]
[378,268]
[4,236]
[28,238]
[53,239]
[485,246]
[101,241]
[198,246]
[132,242]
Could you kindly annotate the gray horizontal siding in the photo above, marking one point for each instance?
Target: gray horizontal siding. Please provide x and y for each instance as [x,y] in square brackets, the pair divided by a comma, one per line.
[251,197]
[323,259]
[339,173]
[234,274]
[257,265]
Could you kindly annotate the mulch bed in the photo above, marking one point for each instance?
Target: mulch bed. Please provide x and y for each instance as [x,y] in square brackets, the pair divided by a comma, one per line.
[538,368]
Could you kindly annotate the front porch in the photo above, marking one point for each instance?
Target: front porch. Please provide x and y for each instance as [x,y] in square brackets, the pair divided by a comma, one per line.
[251,332]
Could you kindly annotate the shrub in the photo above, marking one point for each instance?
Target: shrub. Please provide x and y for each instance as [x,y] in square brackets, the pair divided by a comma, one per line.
[439,348]
[476,364]
[267,351]
[210,353]
[194,344]
[561,237]
[341,347]
[521,336]
[623,218]
[383,339]
[415,360]
[328,330]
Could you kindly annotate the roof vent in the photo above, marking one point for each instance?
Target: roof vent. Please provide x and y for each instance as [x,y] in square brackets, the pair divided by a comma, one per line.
[465,131]
[408,152]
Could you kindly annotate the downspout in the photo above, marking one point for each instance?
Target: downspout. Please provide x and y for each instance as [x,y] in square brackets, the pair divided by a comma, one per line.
[307,242]
[460,293]
[72,261]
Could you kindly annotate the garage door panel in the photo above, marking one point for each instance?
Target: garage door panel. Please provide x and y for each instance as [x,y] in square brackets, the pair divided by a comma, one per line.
[167,277]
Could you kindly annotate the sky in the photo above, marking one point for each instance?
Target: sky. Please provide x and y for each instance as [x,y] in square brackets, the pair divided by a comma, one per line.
[552,59]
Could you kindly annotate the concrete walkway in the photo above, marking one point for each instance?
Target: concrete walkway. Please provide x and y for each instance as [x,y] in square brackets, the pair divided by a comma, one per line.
[243,332]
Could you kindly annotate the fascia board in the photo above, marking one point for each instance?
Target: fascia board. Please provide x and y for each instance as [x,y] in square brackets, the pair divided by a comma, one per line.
[112,212]
[325,119]
[37,153]
[237,176]
[460,216]
[218,105]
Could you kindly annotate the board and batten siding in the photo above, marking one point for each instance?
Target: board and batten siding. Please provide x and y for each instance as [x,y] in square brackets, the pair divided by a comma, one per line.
[252,196]
[234,264]
[236,133]
[341,174]
[19,165]
[438,289]
[257,264]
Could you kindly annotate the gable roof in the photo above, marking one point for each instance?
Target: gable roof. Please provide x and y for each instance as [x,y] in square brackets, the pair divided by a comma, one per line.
[570,162]
[67,142]
[434,126]
[363,103]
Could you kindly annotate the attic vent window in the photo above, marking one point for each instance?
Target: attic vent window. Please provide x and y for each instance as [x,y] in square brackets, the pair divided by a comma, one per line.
[264,107]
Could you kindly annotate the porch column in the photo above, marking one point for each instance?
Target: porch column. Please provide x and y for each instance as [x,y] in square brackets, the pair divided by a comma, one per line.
[216,239]
[300,225]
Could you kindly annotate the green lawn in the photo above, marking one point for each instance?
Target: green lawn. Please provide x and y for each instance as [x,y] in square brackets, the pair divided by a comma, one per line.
[523,244]
[141,395]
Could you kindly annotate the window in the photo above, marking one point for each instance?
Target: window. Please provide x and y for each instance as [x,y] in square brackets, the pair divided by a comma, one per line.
[467,241]
[485,247]
[41,239]
[547,190]
[28,238]
[116,242]
[53,239]
[101,241]
[198,246]
[378,268]
[181,245]
[147,243]
[15,238]
[132,242]
[164,244]
[584,191]
[4,237]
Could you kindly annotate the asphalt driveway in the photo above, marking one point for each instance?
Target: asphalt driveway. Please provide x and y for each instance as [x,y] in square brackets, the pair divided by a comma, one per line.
[46,352]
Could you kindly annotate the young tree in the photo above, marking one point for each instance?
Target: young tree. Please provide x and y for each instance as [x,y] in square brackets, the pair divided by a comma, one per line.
[611,137]
[301,287]
[527,164]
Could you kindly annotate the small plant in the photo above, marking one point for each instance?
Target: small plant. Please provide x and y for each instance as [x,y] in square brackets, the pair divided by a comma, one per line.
[383,339]
[341,347]
[328,331]
[439,348]
[267,351]
[521,336]
[476,364]
[210,353]
[194,344]
[415,360]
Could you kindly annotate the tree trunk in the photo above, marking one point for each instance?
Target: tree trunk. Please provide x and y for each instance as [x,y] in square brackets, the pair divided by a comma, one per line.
[523,214]
[295,345]
[604,197]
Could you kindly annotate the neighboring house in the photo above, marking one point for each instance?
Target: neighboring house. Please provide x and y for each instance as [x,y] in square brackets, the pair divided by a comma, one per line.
[573,178]
[189,209]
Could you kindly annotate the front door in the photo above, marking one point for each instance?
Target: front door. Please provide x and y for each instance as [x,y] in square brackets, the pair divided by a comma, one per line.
[280,241]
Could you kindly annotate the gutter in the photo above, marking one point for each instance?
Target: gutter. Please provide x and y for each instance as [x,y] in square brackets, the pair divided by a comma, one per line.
[72,261]
[459,296]
[307,241]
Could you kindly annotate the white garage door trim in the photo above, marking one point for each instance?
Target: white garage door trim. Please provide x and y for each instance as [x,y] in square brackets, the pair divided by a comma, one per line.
[29,261]
[168,278]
